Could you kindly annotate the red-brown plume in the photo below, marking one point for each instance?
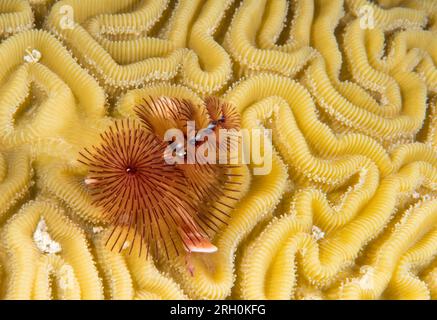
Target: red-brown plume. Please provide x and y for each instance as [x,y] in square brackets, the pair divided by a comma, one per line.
[149,202]
[158,114]
[144,199]
[225,124]
[222,114]
[207,182]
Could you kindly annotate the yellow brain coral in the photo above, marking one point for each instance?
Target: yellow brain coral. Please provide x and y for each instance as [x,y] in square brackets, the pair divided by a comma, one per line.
[348,207]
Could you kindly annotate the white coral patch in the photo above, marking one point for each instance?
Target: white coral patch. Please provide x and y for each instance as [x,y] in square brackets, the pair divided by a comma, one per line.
[43,241]
[317,233]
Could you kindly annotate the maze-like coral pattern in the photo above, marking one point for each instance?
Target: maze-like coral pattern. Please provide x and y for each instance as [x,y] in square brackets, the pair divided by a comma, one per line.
[348,88]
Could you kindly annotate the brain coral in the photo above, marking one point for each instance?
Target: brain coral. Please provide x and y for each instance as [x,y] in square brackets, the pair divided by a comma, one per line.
[348,89]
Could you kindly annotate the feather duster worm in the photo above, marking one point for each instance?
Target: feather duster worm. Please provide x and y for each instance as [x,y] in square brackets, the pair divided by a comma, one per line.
[225,124]
[143,198]
[164,113]
[223,115]
[207,180]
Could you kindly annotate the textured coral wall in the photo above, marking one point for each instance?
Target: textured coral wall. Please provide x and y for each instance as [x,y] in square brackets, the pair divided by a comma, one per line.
[349,210]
